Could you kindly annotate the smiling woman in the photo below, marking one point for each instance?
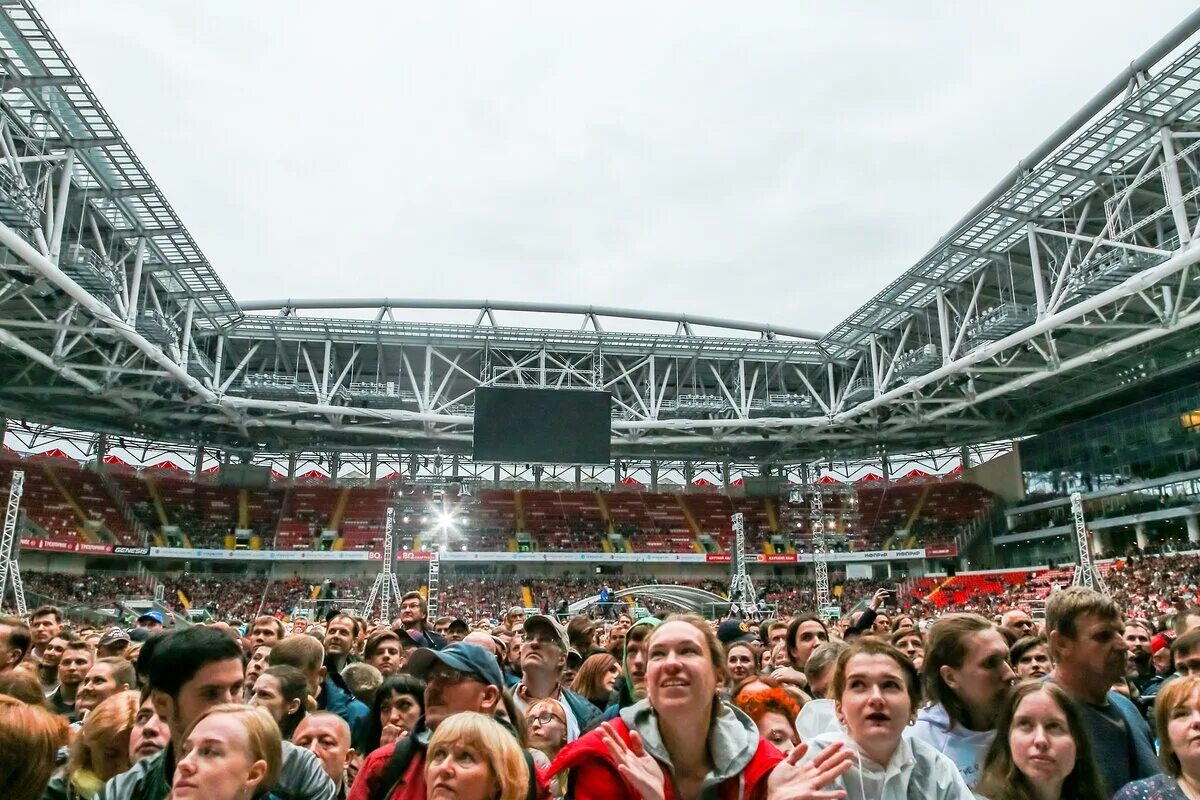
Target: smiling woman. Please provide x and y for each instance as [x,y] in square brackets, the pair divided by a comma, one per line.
[652,750]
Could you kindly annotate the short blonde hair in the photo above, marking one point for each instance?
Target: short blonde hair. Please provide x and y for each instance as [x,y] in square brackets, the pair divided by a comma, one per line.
[1066,606]
[104,723]
[262,734]
[493,744]
[1171,696]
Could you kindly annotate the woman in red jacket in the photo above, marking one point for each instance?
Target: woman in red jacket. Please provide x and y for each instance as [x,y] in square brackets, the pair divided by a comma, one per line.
[682,742]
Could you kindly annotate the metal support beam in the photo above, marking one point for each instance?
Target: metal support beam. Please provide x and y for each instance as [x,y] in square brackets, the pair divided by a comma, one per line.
[10,548]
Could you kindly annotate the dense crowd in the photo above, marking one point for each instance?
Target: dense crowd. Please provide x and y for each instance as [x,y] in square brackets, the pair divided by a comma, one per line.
[893,700]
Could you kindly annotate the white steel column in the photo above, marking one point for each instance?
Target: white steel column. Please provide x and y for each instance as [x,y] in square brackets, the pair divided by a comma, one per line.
[9,546]
[60,206]
[135,283]
[1035,260]
[432,591]
[1173,187]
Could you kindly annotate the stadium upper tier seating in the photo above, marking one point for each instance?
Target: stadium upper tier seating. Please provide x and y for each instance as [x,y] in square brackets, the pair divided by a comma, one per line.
[163,505]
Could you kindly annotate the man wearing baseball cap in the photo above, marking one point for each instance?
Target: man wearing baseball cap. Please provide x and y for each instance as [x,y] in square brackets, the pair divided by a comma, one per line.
[543,658]
[459,677]
[151,621]
[735,630]
[112,643]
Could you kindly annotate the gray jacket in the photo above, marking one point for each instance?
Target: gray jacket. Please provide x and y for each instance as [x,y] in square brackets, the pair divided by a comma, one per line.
[301,777]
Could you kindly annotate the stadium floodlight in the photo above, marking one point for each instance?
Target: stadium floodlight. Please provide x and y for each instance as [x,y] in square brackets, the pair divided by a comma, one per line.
[445,520]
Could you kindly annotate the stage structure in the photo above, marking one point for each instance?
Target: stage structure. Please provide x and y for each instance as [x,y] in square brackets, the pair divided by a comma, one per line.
[816,511]
[385,586]
[1086,573]
[9,549]
[742,597]
[687,598]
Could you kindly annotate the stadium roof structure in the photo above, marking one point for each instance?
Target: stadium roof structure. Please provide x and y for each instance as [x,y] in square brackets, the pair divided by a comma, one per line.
[1073,280]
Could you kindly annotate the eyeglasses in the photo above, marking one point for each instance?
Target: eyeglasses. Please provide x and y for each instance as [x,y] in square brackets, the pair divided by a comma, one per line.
[450,676]
[545,718]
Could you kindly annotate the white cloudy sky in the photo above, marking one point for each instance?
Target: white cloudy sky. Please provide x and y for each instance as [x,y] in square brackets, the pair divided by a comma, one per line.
[758,161]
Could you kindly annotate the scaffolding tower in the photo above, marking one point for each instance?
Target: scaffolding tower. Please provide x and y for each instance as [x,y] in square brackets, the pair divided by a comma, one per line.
[10,546]
[385,586]
[1086,573]
[816,513]
[743,599]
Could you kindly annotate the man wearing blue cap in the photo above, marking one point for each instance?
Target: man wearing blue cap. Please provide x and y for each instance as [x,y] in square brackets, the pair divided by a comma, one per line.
[460,677]
[151,621]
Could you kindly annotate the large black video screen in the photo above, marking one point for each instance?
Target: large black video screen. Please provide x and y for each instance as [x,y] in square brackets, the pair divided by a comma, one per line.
[542,426]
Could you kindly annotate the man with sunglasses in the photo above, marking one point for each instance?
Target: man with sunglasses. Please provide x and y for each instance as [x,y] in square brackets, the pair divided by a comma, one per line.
[461,677]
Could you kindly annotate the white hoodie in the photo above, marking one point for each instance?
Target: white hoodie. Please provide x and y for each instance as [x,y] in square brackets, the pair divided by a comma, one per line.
[916,772]
[967,749]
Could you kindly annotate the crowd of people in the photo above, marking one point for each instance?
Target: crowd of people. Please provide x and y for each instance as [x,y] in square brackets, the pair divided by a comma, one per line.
[1094,700]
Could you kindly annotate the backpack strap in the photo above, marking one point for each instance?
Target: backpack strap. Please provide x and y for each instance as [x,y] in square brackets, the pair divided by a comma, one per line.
[402,756]
[531,791]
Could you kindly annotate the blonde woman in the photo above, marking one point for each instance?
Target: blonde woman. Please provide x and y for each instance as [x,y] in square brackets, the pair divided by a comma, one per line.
[473,757]
[231,752]
[100,750]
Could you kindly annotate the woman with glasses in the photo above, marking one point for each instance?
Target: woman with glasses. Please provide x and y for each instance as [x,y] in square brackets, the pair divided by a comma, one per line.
[547,724]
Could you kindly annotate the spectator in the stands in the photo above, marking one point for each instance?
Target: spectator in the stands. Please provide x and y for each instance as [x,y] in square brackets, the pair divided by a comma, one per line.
[327,736]
[72,668]
[363,681]
[193,672]
[581,633]
[15,640]
[543,657]
[113,644]
[1085,630]
[340,634]
[382,651]
[966,675]
[739,661]
[150,732]
[266,630]
[44,625]
[461,677]
[100,750]
[306,654]
[1030,657]
[547,724]
[1186,652]
[1019,622]
[1187,620]
[151,621]
[30,737]
[413,611]
[1139,670]
[283,691]
[472,757]
[232,752]
[596,679]
[51,657]
[804,635]
[259,660]
[23,685]
[399,704]
[911,642]
[107,677]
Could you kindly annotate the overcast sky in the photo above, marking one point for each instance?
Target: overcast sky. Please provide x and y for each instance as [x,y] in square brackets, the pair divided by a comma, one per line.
[777,162]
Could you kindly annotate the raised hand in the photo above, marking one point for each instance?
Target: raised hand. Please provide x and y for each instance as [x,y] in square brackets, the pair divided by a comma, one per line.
[390,734]
[633,762]
[791,780]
